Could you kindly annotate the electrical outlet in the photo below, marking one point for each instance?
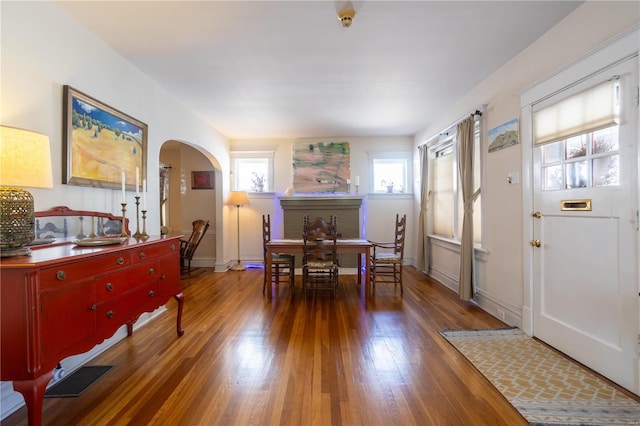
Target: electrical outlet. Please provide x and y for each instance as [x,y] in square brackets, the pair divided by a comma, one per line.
[500,313]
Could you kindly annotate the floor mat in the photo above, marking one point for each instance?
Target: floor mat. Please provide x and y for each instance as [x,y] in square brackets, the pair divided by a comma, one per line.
[545,387]
[78,381]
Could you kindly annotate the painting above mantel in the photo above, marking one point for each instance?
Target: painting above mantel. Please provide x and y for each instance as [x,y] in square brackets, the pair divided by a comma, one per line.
[322,167]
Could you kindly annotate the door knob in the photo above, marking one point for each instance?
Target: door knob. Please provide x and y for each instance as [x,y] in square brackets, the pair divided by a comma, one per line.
[535,243]
[537,215]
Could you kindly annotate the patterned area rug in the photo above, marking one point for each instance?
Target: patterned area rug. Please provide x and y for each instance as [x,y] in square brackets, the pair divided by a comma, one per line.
[545,387]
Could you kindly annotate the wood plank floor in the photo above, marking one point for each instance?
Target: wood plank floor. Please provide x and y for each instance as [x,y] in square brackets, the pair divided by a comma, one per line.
[246,359]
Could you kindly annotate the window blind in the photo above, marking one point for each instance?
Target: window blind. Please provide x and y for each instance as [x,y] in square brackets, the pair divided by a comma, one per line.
[592,109]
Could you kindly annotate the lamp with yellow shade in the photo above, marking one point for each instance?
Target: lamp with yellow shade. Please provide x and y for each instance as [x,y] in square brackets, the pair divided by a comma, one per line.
[25,160]
[238,199]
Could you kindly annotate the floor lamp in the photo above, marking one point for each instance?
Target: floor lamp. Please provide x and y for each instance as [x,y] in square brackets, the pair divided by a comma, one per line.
[238,199]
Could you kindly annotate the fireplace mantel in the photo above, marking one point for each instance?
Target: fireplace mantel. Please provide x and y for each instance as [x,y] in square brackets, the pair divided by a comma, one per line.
[346,208]
[314,202]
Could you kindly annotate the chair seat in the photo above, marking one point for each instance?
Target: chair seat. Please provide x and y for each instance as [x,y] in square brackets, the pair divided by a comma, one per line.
[387,257]
[284,258]
[320,264]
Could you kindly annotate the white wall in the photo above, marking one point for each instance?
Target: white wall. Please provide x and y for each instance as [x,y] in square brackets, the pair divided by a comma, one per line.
[500,278]
[43,49]
[380,209]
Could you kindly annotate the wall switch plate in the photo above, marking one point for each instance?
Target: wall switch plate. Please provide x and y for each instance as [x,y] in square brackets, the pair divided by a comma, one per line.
[513,178]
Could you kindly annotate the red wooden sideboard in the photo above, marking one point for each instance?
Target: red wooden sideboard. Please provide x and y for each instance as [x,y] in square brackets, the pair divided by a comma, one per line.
[64,299]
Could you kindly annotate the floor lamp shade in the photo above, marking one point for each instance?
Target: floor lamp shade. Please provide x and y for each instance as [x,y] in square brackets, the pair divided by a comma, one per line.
[25,160]
[238,199]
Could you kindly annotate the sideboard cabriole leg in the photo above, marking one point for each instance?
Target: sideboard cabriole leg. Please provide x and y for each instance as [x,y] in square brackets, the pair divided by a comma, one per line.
[180,299]
[33,393]
[129,329]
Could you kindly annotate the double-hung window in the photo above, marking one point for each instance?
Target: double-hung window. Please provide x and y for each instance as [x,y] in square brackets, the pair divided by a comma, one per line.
[252,171]
[446,206]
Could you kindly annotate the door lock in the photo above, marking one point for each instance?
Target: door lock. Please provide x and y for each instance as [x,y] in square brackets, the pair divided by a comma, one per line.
[535,243]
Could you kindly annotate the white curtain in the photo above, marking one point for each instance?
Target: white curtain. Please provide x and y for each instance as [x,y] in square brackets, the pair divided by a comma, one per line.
[423,239]
[465,141]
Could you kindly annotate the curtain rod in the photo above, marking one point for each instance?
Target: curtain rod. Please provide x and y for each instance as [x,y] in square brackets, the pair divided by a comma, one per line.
[445,131]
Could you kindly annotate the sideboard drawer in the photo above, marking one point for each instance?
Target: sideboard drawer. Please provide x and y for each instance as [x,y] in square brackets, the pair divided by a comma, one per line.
[145,253]
[120,310]
[57,275]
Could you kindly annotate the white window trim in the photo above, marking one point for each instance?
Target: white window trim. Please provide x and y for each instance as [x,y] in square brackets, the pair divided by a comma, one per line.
[436,142]
[269,155]
[391,155]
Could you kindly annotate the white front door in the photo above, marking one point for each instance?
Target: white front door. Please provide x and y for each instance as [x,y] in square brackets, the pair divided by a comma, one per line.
[585,254]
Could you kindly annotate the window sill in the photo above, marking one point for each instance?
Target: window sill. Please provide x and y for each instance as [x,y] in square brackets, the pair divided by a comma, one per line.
[261,195]
[454,245]
[393,195]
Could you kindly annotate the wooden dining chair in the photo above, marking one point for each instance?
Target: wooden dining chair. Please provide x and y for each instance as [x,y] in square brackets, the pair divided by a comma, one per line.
[320,262]
[282,265]
[385,262]
[188,247]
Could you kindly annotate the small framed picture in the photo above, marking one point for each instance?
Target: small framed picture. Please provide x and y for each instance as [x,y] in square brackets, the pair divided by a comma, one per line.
[202,180]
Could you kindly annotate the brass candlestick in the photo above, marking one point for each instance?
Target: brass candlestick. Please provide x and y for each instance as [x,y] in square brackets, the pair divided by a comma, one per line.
[144,234]
[124,221]
[137,234]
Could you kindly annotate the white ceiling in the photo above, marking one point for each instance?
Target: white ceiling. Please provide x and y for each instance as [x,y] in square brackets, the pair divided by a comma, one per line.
[287,69]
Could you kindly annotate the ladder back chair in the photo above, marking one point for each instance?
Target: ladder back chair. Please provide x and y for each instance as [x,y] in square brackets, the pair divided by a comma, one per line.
[188,247]
[282,265]
[385,262]
[320,262]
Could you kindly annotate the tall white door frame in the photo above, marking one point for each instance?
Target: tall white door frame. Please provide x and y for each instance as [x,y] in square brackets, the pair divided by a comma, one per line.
[615,51]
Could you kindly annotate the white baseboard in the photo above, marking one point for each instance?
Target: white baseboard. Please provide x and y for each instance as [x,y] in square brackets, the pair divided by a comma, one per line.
[506,313]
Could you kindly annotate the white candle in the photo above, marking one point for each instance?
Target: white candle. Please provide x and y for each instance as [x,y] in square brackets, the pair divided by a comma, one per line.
[144,194]
[124,195]
[348,181]
[137,182]
[357,180]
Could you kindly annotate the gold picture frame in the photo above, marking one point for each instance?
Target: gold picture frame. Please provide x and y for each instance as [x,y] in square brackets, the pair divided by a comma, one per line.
[101,143]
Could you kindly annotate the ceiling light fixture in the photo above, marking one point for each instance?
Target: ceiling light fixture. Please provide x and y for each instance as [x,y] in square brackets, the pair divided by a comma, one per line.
[346,17]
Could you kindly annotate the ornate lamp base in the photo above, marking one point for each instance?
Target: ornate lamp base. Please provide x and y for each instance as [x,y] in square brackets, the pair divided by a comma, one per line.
[22,251]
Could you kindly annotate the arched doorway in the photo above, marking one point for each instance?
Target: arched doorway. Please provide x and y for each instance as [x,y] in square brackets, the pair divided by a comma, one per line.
[190,190]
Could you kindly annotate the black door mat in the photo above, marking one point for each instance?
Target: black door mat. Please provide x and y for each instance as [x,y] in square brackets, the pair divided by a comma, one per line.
[77,382]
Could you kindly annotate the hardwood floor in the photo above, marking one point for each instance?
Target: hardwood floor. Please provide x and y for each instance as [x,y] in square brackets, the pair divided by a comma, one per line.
[246,359]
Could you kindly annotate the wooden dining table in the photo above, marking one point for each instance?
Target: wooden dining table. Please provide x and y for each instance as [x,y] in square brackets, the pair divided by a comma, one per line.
[343,246]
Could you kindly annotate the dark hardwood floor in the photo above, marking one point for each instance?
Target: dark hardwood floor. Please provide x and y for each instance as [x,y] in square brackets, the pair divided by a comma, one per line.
[246,359]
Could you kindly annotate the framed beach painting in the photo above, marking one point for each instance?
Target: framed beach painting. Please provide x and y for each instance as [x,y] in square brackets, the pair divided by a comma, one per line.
[101,143]
[504,136]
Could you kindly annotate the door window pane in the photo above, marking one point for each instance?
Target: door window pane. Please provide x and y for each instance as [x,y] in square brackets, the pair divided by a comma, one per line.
[606,170]
[576,147]
[552,153]
[552,177]
[577,174]
[605,140]
[598,161]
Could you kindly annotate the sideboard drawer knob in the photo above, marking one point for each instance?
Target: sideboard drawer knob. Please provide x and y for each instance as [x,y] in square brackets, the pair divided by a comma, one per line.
[109,287]
[173,247]
[93,307]
[142,255]
[151,293]
[163,277]
[110,314]
[120,260]
[60,275]
[151,271]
